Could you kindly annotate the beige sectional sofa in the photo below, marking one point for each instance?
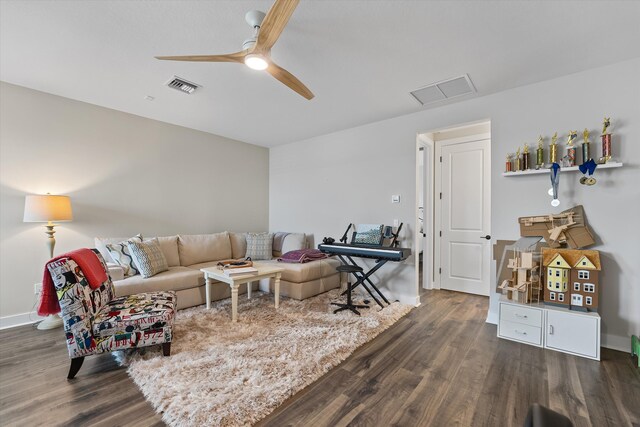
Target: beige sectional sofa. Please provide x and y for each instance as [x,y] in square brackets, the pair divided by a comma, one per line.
[187,254]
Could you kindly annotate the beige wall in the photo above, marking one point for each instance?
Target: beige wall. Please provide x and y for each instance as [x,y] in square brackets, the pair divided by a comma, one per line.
[125,175]
[349,176]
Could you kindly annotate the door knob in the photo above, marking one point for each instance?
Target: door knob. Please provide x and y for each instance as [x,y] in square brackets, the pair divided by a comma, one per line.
[486,237]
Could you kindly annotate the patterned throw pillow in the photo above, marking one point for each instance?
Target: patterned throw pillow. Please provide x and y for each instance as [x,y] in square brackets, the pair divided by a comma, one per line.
[121,255]
[148,257]
[259,245]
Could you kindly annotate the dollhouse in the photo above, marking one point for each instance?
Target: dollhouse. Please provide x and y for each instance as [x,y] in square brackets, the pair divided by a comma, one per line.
[571,278]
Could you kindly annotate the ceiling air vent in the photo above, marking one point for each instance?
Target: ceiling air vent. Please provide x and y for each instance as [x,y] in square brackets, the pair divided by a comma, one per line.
[445,89]
[182,85]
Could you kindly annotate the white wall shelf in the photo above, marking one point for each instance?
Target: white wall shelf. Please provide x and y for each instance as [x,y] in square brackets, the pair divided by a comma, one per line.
[609,165]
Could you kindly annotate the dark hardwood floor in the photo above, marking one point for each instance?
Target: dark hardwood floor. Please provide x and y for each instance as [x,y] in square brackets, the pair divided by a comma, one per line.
[441,365]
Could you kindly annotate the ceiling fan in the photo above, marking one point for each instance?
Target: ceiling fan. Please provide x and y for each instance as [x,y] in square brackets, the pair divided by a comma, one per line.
[256,51]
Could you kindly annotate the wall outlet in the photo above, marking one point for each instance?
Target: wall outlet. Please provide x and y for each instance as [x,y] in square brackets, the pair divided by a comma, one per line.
[37,288]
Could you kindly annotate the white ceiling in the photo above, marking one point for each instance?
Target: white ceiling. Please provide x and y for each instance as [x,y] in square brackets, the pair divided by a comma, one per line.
[360,58]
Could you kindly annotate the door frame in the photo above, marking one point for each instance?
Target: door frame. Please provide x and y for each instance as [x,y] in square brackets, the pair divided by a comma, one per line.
[428,145]
[437,206]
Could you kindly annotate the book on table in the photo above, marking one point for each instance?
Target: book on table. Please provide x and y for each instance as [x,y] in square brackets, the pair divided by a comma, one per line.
[230,272]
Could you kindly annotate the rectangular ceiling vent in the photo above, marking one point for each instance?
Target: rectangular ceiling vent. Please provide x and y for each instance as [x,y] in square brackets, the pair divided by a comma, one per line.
[182,85]
[445,89]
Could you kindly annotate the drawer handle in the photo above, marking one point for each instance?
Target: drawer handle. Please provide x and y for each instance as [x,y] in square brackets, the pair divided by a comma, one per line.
[521,333]
[523,316]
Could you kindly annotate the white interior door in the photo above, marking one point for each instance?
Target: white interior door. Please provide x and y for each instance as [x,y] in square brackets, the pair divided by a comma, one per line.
[465,217]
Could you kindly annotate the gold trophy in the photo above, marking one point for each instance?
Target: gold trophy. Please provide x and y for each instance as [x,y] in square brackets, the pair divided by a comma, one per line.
[518,168]
[586,151]
[553,149]
[525,157]
[539,153]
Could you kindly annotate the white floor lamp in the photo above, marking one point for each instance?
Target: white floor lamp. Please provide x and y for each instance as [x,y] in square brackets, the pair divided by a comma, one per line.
[48,208]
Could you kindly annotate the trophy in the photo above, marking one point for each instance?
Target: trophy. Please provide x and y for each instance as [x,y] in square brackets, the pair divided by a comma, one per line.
[606,141]
[553,149]
[508,167]
[539,153]
[571,150]
[586,151]
[518,159]
[525,157]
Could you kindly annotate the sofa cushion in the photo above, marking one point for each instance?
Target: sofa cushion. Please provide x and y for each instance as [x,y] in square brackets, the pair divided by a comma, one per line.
[169,247]
[148,257]
[290,242]
[174,279]
[298,273]
[197,248]
[259,246]
[133,313]
[238,245]
[121,255]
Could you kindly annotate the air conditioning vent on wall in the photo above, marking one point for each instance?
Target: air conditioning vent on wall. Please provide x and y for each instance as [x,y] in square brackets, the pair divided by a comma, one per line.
[182,85]
[445,89]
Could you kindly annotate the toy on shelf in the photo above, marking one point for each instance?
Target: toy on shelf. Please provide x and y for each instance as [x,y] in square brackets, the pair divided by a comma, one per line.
[539,153]
[524,285]
[553,149]
[606,141]
[568,227]
[571,278]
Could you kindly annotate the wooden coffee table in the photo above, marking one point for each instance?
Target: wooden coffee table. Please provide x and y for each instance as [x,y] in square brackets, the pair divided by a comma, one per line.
[264,272]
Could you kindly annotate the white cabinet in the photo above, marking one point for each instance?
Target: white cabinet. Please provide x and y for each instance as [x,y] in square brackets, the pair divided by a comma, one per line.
[555,328]
[573,332]
[520,323]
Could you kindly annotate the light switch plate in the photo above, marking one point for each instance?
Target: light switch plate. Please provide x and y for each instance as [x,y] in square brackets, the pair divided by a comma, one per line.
[395,198]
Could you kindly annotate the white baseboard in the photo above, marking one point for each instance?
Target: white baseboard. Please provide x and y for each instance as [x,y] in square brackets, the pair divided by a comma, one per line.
[492,317]
[616,342]
[19,320]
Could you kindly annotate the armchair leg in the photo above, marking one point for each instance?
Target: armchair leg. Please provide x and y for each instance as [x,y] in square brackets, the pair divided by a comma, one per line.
[166,349]
[76,364]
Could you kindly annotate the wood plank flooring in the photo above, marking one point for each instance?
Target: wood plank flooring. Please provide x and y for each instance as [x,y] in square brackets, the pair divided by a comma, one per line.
[440,365]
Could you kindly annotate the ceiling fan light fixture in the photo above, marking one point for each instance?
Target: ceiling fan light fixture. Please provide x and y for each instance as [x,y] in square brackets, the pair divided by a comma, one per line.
[256,61]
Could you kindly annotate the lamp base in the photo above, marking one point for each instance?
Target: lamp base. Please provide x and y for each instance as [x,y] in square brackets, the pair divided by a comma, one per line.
[52,321]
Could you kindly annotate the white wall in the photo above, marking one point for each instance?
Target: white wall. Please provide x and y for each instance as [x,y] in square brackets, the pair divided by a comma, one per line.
[321,184]
[125,175]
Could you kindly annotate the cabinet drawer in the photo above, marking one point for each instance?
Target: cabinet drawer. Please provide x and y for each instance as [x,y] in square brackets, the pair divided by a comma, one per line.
[520,332]
[520,314]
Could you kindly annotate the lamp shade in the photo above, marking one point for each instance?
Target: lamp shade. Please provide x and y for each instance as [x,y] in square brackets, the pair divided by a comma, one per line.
[45,208]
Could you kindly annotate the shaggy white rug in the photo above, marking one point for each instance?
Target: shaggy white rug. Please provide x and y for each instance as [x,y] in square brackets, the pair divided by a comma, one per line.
[221,373]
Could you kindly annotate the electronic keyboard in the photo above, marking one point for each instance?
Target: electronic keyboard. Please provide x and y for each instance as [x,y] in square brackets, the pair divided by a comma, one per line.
[366,251]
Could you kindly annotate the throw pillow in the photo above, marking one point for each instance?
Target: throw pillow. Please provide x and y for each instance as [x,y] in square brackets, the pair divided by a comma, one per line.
[120,254]
[259,245]
[148,257]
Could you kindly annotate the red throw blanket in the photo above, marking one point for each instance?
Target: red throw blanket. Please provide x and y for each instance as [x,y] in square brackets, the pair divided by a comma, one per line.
[303,255]
[91,267]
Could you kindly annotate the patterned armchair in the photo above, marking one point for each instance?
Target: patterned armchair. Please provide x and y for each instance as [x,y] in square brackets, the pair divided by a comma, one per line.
[95,321]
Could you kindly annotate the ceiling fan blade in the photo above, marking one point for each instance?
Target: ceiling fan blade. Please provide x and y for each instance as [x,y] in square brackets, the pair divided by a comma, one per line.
[274,23]
[290,80]
[231,57]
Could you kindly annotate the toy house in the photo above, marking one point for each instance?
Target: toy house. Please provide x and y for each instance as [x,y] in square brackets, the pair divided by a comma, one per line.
[524,284]
[571,278]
